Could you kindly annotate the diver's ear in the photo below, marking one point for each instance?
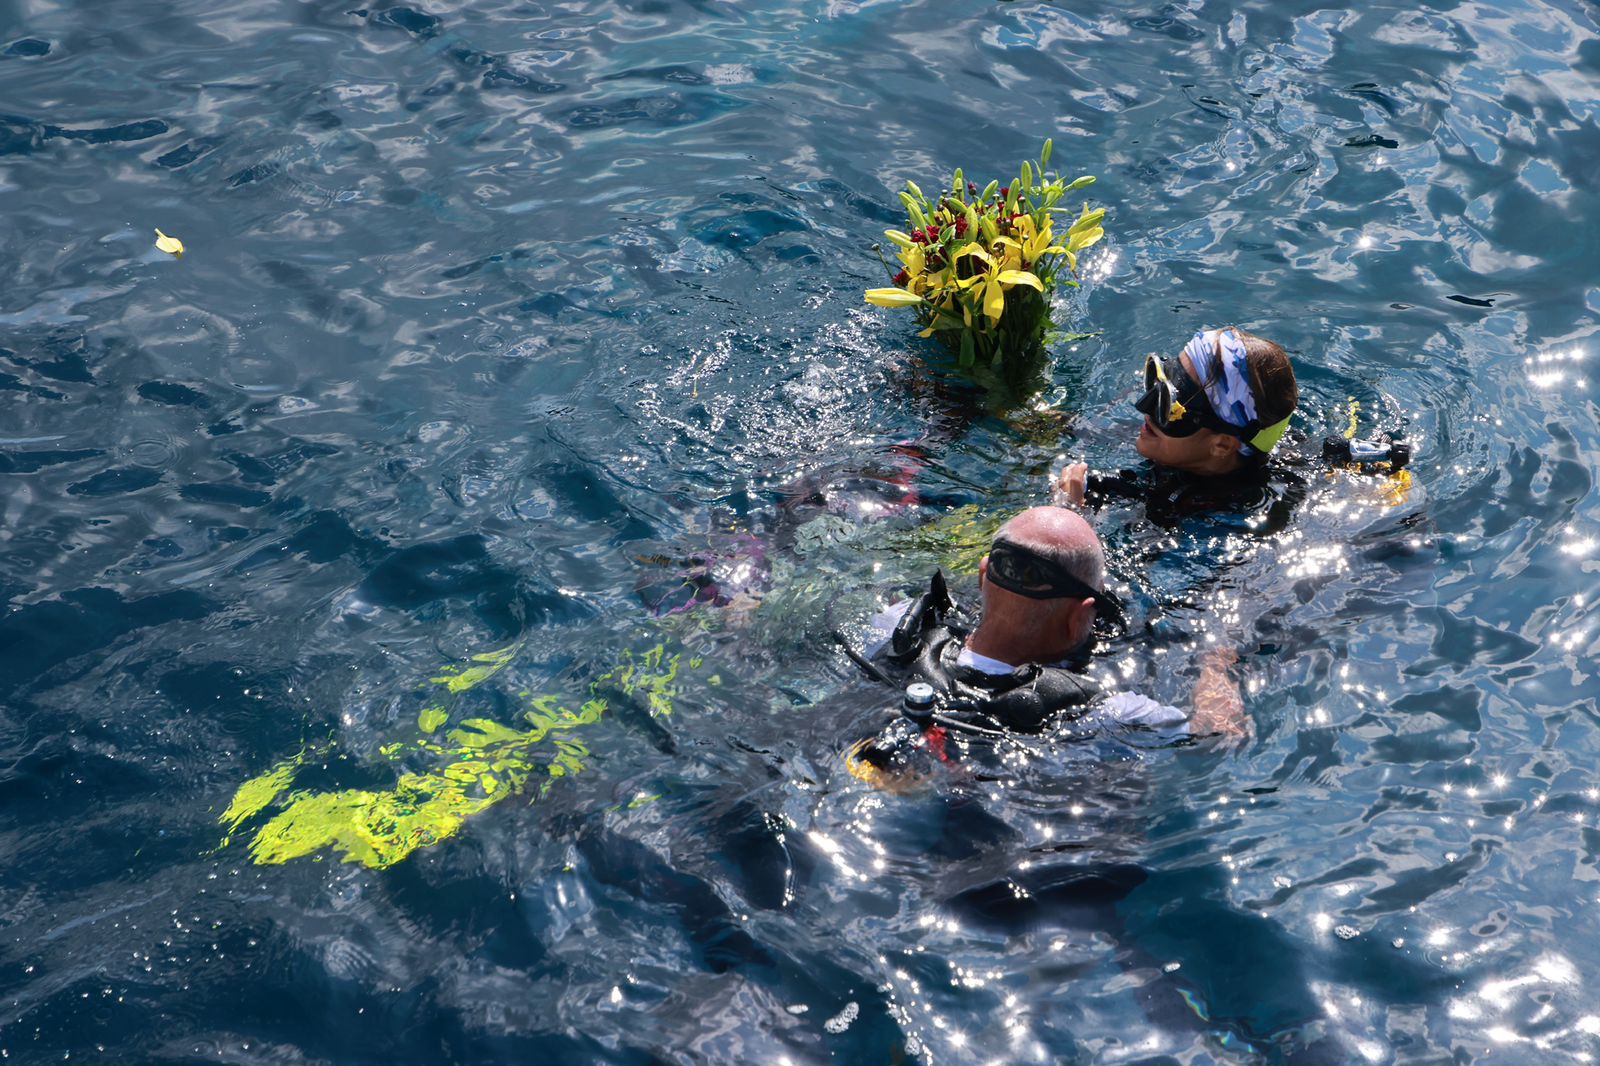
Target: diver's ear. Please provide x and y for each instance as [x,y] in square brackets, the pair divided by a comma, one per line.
[1083,621]
[1224,445]
[983,569]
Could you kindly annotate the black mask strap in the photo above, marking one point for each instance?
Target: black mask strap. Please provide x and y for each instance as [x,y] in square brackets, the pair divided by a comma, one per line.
[1038,577]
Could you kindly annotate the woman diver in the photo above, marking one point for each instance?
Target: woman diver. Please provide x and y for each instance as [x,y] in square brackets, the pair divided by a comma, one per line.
[1213,415]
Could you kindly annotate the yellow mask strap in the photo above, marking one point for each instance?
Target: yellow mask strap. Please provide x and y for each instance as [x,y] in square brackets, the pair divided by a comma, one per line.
[1268,438]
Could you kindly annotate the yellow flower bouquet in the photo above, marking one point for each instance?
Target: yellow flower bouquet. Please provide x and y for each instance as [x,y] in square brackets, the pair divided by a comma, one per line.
[978,266]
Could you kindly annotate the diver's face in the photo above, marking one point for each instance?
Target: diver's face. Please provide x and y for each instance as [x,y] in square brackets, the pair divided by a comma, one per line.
[1203,452]
[1180,453]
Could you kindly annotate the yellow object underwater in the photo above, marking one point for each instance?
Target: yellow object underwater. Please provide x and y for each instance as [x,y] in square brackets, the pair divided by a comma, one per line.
[441,783]
[170,245]
[1396,487]
[490,663]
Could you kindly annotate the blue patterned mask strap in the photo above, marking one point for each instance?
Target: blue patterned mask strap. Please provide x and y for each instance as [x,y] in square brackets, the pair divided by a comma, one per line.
[1222,366]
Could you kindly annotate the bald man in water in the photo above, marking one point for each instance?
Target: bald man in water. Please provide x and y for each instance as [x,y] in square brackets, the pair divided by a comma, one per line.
[1041,586]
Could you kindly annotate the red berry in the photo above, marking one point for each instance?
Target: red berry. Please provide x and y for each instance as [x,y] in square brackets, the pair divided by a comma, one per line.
[1005,192]
[901,278]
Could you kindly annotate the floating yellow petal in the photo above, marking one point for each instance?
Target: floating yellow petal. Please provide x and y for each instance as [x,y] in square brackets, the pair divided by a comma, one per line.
[170,245]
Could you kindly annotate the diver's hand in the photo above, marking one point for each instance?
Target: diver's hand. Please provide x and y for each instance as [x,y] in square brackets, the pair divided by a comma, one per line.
[1069,489]
[1218,706]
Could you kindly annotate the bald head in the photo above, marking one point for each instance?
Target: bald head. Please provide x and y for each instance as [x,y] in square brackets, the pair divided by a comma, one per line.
[1018,628]
[1061,535]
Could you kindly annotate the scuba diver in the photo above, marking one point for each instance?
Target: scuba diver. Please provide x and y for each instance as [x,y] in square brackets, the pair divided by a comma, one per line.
[1213,415]
[1020,666]
[1215,419]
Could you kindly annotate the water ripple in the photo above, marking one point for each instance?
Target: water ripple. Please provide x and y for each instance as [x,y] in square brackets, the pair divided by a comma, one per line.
[496,319]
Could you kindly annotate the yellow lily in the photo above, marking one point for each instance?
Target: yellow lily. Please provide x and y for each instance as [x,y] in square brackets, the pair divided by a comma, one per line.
[1035,244]
[915,259]
[1040,244]
[1086,232]
[994,282]
[1009,251]
[892,298]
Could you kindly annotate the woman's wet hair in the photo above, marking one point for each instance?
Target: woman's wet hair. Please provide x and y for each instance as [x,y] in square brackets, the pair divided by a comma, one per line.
[1271,378]
[1272,385]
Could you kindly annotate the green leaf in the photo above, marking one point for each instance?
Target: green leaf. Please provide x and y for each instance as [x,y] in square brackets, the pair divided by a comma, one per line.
[432,718]
[968,352]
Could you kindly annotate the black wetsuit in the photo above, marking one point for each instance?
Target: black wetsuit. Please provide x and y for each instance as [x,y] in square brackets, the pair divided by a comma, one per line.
[926,645]
[1263,497]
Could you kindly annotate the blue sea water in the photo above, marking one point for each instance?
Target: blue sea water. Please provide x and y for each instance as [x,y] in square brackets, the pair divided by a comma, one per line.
[494,315]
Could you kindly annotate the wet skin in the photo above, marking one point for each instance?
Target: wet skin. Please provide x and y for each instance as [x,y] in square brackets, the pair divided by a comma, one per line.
[1205,452]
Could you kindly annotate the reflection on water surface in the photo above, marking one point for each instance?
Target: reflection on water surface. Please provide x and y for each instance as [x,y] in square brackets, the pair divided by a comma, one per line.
[537,326]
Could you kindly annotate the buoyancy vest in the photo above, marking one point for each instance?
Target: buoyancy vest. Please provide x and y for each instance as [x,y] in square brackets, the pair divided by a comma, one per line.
[926,646]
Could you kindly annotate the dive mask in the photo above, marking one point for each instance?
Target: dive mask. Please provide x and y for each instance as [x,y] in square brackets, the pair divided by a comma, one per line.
[1179,406]
[1038,577]
[1172,400]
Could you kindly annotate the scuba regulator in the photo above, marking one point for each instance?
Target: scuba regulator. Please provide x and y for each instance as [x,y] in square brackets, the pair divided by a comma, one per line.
[1388,459]
[1365,456]
[1366,453]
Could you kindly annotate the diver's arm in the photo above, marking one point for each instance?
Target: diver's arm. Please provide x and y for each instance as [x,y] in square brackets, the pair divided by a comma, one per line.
[1136,709]
[1077,488]
[1218,706]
